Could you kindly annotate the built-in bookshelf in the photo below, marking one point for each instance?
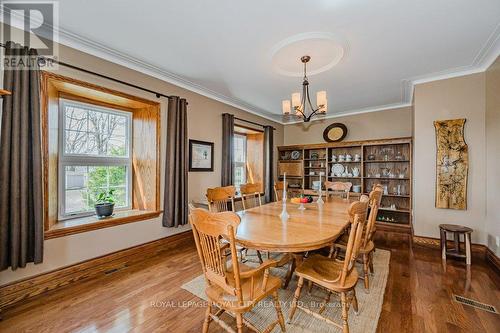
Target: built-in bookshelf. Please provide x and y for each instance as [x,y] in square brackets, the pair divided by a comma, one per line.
[363,163]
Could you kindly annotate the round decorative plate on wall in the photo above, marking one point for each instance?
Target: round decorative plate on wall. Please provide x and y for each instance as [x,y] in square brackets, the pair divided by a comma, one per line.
[335,132]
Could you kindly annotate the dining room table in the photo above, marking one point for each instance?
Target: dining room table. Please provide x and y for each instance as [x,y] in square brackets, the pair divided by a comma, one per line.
[315,227]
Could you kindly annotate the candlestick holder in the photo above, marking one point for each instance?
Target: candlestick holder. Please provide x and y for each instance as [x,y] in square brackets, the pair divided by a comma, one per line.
[320,198]
[284,214]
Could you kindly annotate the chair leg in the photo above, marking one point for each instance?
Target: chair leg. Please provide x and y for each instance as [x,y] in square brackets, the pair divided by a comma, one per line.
[295,299]
[345,310]
[277,306]
[206,323]
[371,262]
[354,301]
[239,322]
[332,249]
[325,302]
[309,286]
[365,271]
[260,257]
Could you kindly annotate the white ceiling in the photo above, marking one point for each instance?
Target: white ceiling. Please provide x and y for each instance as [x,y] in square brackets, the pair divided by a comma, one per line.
[223,48]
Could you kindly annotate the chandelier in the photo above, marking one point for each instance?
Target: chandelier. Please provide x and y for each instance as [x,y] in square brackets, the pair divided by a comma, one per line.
[300,103]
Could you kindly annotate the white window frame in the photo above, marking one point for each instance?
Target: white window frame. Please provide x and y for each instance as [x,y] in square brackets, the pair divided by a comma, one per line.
[244,163]
[90,160]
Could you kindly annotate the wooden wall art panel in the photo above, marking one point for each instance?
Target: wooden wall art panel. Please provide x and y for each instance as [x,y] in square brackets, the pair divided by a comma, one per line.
[452,163]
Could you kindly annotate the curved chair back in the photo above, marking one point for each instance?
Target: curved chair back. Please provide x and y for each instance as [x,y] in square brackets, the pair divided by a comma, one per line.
[338,188]
[221,199]
[209,229]
[375,199]
[278,190]
[250,195]
[357,213]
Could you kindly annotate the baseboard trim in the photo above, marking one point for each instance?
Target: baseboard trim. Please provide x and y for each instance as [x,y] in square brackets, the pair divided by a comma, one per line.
[493,259]
[478,250]
[22,290]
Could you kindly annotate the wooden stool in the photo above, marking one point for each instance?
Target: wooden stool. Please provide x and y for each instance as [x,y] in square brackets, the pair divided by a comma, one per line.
[457,230]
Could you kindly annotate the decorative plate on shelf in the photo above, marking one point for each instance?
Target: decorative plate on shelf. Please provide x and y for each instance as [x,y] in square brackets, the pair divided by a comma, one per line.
[295,155]
[337,169]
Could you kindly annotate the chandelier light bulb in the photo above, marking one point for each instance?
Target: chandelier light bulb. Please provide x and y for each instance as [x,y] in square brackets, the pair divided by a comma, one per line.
[296,100]
[286,107]
[322,101]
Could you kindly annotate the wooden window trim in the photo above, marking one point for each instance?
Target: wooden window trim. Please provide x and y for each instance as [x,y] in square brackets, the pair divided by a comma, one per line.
[146,131]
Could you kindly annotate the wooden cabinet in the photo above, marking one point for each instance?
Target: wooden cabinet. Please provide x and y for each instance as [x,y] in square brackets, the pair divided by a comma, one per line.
[386,161]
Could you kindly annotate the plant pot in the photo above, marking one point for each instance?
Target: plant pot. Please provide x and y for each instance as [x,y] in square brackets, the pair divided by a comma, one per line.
[104,209]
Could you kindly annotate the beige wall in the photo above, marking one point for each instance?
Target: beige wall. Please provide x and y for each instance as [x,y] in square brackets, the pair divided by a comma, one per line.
[493,156]
[391,123]
[204,123]
[461,97]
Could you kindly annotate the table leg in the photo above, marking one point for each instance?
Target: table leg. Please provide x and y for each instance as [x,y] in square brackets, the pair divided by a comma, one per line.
[289,274]
[296,260]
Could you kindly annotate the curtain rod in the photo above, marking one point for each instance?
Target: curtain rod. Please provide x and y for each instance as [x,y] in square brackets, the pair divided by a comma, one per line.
[158,95]
[252,122]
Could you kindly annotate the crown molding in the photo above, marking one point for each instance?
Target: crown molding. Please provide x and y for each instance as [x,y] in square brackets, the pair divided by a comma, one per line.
[482,61]
[484,58]
[104,52]
[73,40]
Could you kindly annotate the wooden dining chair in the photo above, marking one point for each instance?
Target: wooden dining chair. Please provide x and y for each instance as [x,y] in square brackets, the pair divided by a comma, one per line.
[221,199]
[278,190]
[250,198]
[250,195]
[334,275]
[367,245]
[338,188]
[237,289]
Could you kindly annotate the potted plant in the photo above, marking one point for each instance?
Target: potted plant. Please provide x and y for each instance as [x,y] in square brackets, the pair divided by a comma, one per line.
[105,203]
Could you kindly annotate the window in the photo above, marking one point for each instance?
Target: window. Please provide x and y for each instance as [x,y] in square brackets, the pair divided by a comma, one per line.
[95,155]
[95,139]
[240,158]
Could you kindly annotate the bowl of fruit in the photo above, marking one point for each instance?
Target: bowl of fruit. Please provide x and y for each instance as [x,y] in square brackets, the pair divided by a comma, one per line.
[302,199]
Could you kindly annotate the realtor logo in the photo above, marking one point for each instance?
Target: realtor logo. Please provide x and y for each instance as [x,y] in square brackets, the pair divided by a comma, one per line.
[32,24]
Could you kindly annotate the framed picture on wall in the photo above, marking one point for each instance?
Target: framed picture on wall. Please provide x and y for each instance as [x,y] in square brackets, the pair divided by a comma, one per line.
[201,155]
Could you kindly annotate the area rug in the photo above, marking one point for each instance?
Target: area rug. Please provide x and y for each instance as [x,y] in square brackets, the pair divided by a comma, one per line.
[370,304]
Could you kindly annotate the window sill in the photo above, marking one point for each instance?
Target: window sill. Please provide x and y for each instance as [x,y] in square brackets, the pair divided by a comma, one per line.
[89,223]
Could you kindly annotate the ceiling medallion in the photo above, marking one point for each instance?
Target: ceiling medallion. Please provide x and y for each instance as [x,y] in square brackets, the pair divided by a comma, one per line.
[301,103]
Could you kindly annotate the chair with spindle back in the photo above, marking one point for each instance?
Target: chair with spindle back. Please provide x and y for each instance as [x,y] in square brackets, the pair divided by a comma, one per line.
[250,195]
[338,188]
[237,289]
[278,190]
[221,199]
[334,275]
[367,246]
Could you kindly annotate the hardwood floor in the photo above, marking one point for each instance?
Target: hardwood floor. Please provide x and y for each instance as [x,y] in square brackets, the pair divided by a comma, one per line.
[147,297]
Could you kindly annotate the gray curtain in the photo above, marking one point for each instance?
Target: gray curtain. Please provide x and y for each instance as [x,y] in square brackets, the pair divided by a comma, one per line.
[175,206]
[268,163]
[21,203]
[227,149]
